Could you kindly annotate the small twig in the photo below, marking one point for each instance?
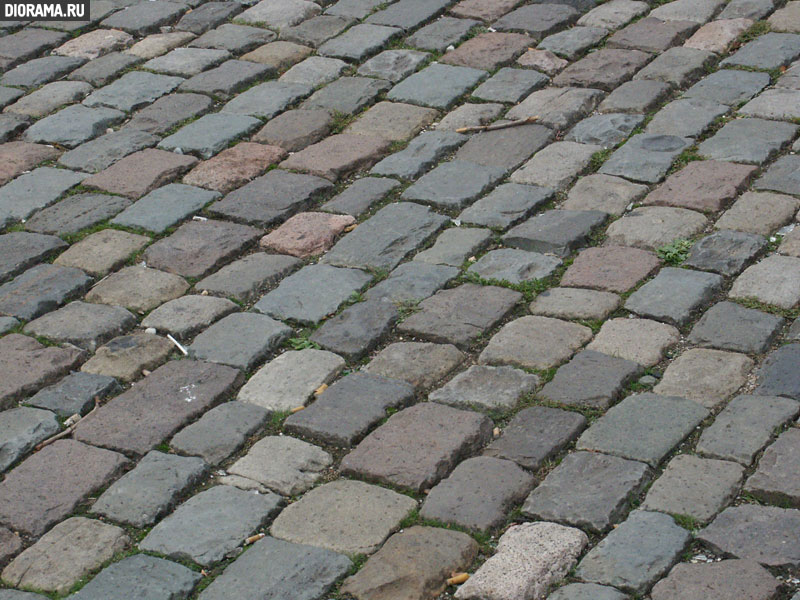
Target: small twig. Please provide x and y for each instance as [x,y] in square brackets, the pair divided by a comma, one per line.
[180,347]
[68,430]
[496,126]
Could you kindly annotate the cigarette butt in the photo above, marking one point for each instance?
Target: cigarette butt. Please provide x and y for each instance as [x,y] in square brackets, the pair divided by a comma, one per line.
[350,228]
[320,389]
[297,409]
[253,538]
[458,578]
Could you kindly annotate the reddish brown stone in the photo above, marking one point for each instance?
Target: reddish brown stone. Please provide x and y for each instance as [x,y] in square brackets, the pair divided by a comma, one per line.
[26,365]
[488,50]
[487,10]
[610,268]
[18,157]
[141,172]
[542,60]
[306,234]
[418,446]
[50,484]
[706,185]
[158,406]
[234,167]
[338,156]
[199,246]
[604,69]
[717,36]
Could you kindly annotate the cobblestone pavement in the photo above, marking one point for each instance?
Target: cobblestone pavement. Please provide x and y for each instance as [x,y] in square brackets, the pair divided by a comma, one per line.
[306,337]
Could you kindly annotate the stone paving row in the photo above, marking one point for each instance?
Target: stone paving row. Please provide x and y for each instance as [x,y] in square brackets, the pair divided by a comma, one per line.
[315,325]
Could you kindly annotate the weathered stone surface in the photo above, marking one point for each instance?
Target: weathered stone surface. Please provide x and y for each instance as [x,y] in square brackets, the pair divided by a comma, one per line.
[393,65]
[224,81]
[645,157]
[316,30]
[271,197]
[635,554]
[41,289]
[510,85]
[588,490]
[378,243]
[314,71]
[138,288]
[147,492]
[241,340]
[146,574]
[536,434]
[19,157]
[470,115]
[220,432]
[636,96]
[408,14]
[415,562]
[64,555]
[765,534]
[717,36]
[556,165]
[207,16]
[39,71]
[139,19]
[20,250]
[530,557]
[22,428]
[725,252]
[26,44]
[423,152]
[674,295]
[50,484]
[478,493]
[127,357]
[506,205]
[538,20]
[289,380]
[347,95]
[141,172]
[49,97]
[279,568]
[75,394]
[728,86]
[590,379]
[715,581]
[640,340]
[168,111]
[437,85]
[697,487]
[101,252]
[574,303]
[557,232]
[748,141]
[644,427]
[774,280]
[486,388]
[157,44]
[557,108]
[306,234]
[777,377]
[481,9]
[234,167]
[609,194]
[210,525]
[338,156]
[782,176]
[395,121]
[293,130]
[412,281]
[612,15]
[159,405]
[745,426]
[729,326]
[185,316]
[679,67]
[775,481]
[344,413]
[651,227]
[652,34]
[589,591]
[606,130]
[358,328]
[359,42]
[535,343]
[418,446]
[488,51]
[282,464]
[769,51]
[245,278]
[454,184]
[759,212]
[101,71]
[233,38]
[197,247]
[32,191]
[359,196]
[76,212]
[459,315]
[278,55]
[441,33]
[573,42]
[297,297]
[210,134]
[705,185]
[605,69]
[133,90]
[344,516]
[85,325]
